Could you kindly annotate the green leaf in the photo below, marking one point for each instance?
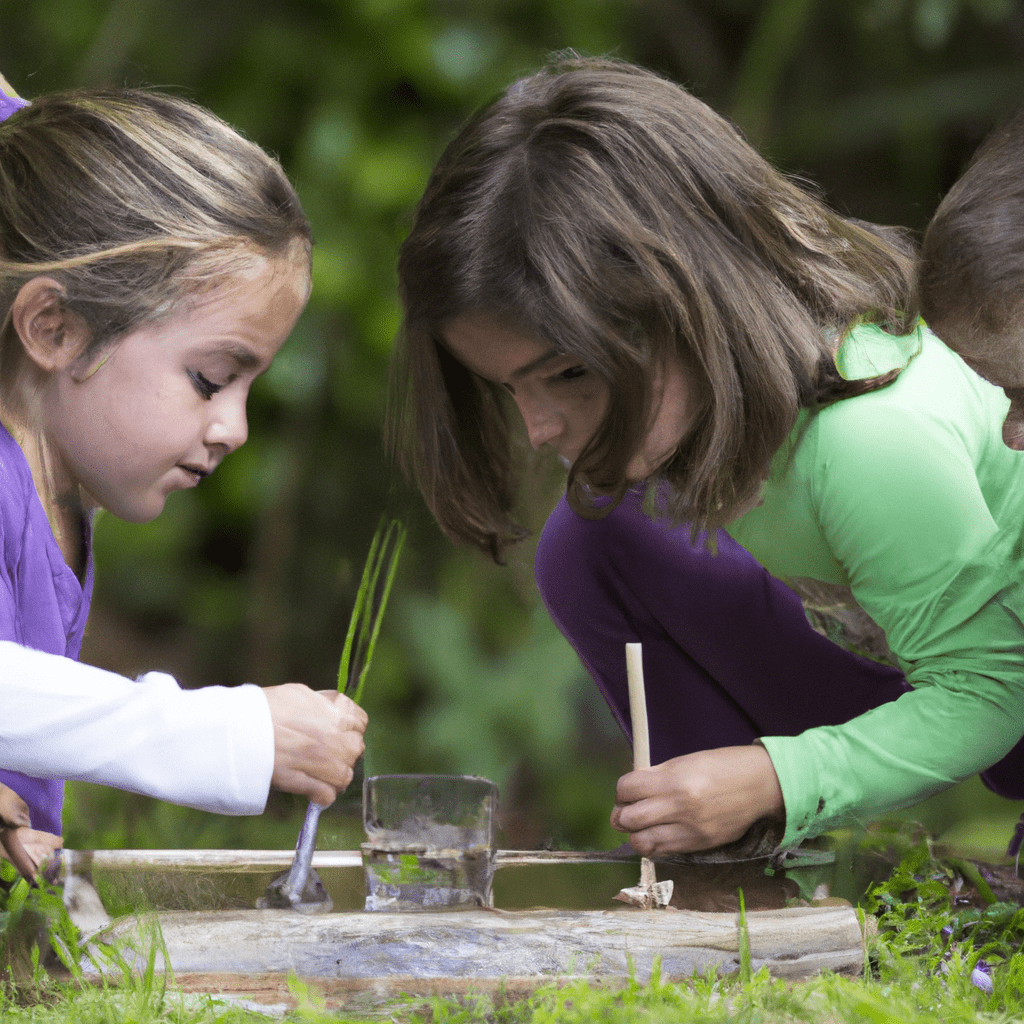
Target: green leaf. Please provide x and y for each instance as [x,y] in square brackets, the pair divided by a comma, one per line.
[746,966]
[371,602]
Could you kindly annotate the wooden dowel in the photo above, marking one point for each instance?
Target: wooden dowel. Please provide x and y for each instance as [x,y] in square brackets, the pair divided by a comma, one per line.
[638,706]
[641,743]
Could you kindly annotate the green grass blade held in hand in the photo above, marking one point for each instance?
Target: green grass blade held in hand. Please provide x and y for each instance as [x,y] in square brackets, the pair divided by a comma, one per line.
[368,611]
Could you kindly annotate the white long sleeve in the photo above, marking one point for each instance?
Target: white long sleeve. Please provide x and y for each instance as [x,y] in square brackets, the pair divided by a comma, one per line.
[211,748]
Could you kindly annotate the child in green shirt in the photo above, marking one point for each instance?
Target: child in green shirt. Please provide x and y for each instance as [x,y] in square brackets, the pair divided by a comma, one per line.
[668,312]
[972,268]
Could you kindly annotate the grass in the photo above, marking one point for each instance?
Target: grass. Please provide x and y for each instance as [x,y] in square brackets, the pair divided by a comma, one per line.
[939,923]
[905,994]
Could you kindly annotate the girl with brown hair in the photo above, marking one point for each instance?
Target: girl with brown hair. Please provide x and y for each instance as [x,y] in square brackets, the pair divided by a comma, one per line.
[971,279]
[152,263]
[725,366]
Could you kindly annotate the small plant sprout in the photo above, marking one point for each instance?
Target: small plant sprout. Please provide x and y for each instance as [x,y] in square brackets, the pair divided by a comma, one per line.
[368,612]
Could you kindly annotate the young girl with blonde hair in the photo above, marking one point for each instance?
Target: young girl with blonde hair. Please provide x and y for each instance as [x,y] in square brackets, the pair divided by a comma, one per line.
[152,263]
[727,368]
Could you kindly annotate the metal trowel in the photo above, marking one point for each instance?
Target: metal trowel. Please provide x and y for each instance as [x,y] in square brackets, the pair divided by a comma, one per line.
[300,887]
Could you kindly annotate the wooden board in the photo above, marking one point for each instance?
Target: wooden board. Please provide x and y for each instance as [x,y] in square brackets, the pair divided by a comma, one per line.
[370,949]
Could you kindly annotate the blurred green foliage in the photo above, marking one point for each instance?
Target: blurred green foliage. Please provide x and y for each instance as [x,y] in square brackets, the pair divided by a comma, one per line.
[252,577]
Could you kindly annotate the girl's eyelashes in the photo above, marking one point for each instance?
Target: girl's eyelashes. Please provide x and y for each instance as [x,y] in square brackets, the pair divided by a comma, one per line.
[572,373]
[206,388]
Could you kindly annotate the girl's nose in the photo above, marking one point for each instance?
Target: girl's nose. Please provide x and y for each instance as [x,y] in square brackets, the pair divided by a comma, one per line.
[543,425]
[228,425]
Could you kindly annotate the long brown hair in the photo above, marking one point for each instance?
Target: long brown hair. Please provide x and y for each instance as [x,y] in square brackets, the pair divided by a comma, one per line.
[605,210]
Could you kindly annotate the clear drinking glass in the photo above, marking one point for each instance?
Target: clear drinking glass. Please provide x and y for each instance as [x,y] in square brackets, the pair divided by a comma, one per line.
[430,842]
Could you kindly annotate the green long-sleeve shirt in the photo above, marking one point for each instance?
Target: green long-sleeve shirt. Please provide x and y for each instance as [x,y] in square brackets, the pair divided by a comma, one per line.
[908,496]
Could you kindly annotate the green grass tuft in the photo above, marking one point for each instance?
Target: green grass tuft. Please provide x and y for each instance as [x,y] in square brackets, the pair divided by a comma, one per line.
[368,611]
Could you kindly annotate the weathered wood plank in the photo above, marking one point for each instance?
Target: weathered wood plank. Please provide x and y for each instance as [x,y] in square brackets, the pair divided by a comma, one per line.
[394,999]
[792,943]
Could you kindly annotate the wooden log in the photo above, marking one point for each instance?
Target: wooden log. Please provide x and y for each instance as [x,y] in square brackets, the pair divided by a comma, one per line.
[395,999]
[546,944]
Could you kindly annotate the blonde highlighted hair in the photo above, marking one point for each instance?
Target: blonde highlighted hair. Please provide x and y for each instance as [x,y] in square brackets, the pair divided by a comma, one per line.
[607,212]
[134,201]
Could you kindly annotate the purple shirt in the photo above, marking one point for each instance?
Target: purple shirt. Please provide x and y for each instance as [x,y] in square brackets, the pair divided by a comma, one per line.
[43,604]
[10,104]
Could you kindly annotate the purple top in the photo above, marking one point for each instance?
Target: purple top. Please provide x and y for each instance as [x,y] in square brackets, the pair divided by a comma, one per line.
[729,655]
[42,602]
[9,104]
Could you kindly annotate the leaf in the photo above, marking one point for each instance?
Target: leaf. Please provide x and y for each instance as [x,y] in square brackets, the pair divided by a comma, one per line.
[746,966]
[371,602]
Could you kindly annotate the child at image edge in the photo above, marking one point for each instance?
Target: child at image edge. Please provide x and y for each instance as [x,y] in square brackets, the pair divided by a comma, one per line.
[152,263]
[676,319]
[971,280]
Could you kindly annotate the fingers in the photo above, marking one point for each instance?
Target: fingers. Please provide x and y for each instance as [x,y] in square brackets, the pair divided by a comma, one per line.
[697,801]
[346,706]
[675,837]
[640,783]
[28,849]
[318,737]
[668,792]
[13,810]
[658,826]
[311,788]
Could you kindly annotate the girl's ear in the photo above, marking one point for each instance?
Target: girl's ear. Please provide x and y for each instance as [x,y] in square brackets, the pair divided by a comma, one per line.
[52,337]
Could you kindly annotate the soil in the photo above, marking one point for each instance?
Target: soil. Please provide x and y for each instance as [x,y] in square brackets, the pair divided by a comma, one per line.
[1006,885]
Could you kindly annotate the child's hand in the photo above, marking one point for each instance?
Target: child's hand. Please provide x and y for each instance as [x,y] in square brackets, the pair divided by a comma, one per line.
[27,849]
[13,810]
[22,845]
[697,801]
[318,737]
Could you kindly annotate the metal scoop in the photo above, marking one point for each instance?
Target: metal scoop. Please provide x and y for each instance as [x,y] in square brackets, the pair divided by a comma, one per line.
[300,888]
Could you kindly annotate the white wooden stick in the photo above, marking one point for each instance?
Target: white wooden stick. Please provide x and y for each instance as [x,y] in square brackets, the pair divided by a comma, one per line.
[641,756]
[638,706]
